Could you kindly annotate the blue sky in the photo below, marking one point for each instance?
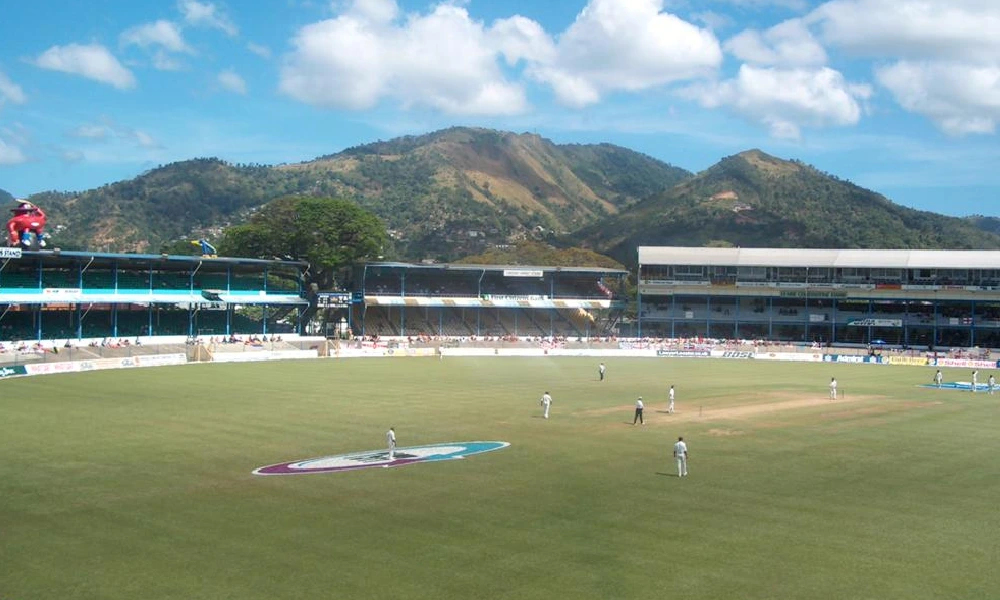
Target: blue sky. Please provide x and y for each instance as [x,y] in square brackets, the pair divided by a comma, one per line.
[900,96]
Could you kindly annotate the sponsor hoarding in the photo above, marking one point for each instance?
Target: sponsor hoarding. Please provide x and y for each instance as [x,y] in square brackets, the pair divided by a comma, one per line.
[875,322]
[915,361]
[684,353]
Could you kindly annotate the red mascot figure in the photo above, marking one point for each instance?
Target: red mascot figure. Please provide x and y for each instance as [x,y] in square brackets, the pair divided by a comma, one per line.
[26,226]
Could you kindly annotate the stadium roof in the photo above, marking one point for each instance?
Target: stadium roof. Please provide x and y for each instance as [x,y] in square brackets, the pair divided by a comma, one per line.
[172,259]
[793,257]
[464,267]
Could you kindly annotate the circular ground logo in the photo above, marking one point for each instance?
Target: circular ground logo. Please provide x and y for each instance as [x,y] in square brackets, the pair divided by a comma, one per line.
[380,458]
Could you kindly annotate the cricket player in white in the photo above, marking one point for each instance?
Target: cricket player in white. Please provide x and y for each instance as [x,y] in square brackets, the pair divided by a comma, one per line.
[991,383]
[975,379]
[670,407]
[545,402]
[681,456]
[938,377]
[833,388]
[390,440]
[600,371]
[638,412]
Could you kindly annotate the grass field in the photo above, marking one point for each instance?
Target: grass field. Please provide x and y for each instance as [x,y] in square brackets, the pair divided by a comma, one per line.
[137,484]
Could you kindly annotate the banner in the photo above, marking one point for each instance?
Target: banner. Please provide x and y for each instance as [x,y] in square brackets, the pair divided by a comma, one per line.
[732,354]
[684,353]
[963,363]
[12,371]
[100,364]
[522,273]
[790,356]
[50,368]
[876,322]
[812,294]
[915,361]
[235,357]
[852,359]
[6,252]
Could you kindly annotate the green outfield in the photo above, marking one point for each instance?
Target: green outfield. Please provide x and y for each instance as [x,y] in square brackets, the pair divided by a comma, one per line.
[137,484]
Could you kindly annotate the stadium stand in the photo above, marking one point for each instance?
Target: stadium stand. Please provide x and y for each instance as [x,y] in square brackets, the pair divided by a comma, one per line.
[51,295]
[401,299]
[901,298]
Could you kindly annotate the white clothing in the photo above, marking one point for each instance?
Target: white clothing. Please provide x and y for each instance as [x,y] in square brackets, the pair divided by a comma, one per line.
[937,378]
[670,407]
[975,379]
[390,440]
[992,383]
[600,371]
[545,402]
[639,405]
[833,389]
[680,455]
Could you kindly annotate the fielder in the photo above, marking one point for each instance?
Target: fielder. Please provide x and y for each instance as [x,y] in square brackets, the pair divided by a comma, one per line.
[390,440]
[681,456]
[600,371]
[545,402]
[670,395]
[938,378]
[975,379]
[991,384]
[638,412]
[833,388]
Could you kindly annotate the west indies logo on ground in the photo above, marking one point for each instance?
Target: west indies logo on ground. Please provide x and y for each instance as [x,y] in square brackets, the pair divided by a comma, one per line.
[380,458]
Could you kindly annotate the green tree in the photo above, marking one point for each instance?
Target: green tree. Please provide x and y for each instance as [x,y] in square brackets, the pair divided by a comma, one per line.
[331,235]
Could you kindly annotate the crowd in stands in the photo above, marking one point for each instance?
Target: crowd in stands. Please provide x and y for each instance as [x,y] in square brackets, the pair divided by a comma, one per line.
[693,343]
[109,343]
[250,340]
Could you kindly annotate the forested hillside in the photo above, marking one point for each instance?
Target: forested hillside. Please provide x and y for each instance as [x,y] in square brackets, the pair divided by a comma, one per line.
[756,200]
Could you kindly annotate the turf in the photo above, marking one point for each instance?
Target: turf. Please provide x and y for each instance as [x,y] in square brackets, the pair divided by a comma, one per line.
[138,485]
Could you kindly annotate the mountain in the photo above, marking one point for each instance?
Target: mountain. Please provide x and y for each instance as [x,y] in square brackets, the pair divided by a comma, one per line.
[442,195]
[990,224]
[6,197]
[756,200]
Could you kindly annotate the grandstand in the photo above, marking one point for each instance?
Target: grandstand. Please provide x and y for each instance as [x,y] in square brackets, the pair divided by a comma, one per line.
[895,297]
[76,295]
[401,299]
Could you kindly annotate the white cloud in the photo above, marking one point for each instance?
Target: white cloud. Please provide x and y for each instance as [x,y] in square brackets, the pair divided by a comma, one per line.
[712,19]
[259,49]
[943,57]
[92,61]
[143,139]
[206,14]
[916,29]
[163,34]
[163,61]
[442,60]
[374,11]
[787,99]
[626,45]
[10,154]
[91,132]
[795,5]
[518,38]
[108,130]
[959,98]
[69,155]
[10,91]
[787,44]
[230,80]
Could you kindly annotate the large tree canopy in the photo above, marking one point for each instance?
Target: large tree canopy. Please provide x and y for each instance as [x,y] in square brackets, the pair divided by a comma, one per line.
[329,234]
